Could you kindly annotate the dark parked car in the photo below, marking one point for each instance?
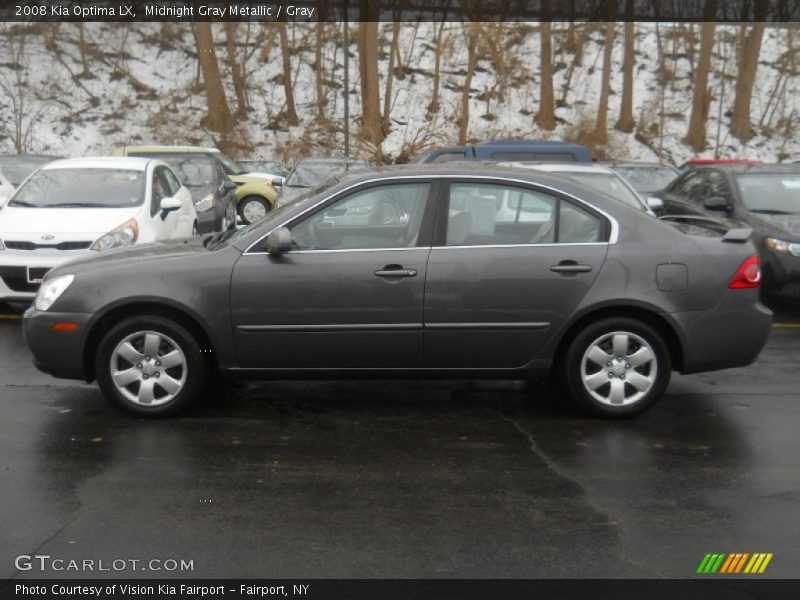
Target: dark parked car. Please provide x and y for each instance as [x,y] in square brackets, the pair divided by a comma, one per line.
[508,151]
[763,197]
[483,273]
[17,167]
[213,192]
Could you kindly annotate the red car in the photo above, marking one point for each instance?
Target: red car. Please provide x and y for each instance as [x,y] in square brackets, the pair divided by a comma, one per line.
[699,162]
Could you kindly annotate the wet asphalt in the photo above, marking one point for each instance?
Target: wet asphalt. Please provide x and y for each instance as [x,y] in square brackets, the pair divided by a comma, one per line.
[403,479]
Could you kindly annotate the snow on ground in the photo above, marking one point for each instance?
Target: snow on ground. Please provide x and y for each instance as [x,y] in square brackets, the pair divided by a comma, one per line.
[153,95]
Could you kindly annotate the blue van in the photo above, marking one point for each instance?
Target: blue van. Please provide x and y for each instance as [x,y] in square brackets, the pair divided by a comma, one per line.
[509,150]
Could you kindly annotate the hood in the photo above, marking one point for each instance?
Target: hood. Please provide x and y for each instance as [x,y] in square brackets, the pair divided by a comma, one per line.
[138,253]
[252,178]
[786,227]
[62,223]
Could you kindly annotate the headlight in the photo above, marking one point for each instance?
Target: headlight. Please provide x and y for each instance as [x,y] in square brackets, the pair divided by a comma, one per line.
[783,247]
[124,235]
[51,290]
[205,204]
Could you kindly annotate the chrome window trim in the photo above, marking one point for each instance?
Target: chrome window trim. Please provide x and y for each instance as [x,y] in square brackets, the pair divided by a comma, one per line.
[613,236]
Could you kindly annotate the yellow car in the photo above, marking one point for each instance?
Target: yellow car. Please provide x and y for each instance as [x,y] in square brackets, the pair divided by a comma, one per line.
[255,193]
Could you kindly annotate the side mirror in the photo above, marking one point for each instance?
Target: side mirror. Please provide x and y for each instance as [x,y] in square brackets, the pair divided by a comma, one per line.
[716,203]
[228,186]
[277,182]
[279,241]
[654,203]
[170,203]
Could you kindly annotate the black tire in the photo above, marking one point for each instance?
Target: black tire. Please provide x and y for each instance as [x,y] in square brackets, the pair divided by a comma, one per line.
[249,200]
[657,370]
[194,363]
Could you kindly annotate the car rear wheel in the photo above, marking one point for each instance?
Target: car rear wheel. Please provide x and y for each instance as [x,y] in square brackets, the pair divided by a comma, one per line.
[150,366]
[617,367]
[253,208]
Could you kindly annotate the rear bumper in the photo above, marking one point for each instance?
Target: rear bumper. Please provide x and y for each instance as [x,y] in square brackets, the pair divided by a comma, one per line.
[731,335]
[57,353]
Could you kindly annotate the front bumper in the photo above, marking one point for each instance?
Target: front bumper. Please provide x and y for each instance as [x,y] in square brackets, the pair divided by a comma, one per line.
[16,266]
[57,353]
[781,274]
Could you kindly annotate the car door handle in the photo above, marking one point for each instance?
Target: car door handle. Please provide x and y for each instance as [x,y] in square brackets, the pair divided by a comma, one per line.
[395,271]
[570,266]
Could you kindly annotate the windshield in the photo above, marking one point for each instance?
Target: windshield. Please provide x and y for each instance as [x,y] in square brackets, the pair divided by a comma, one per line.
[16,169]
[606,183]
[193,171]
[647,179]
[230,166]
[770,192]
[312,174]
[78,188]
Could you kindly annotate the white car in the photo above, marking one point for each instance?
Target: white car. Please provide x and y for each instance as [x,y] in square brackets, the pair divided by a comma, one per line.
[598,178]
[6,190]
[77,206]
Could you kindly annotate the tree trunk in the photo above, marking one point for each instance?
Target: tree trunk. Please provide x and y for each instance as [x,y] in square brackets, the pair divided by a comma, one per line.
[291,111]
[696,134]
[219,115]
[433,106]
[748,64]
[237,75]
[601,125]
[472,59]
[318,70]
[371,123]
[546,117]
[625,122]
[393,55]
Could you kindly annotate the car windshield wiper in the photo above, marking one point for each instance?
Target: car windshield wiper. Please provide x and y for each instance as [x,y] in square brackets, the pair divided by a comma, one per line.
[23,203]
[771,211]
[217,238]
[77,205]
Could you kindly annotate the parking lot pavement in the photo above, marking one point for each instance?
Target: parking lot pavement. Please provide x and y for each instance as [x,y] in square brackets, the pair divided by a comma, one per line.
[404,479]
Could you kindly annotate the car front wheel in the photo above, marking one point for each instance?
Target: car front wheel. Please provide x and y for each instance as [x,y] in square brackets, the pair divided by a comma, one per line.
[150,366]
[253,208]
[617,367]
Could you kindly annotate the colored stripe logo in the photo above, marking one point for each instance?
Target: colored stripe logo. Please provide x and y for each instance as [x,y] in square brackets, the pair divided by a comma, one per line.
[734,563]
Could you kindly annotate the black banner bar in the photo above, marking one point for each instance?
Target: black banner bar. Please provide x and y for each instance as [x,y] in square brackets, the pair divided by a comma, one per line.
[775,11]
[708,588]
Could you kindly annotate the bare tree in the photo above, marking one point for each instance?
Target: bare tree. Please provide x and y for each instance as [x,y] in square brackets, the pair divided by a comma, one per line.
[625,122]
[219,114]
[546,117]
[701,100]
[393,55]
[371,123]
[237,69]
[473,30]
[749,50]
[318,70]
[291,111]
[433,106]
[601,125]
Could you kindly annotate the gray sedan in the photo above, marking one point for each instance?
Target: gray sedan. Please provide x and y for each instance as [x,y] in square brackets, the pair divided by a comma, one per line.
[445,271]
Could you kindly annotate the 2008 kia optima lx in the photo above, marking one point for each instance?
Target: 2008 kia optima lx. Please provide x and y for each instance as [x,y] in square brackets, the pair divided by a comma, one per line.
[464,271]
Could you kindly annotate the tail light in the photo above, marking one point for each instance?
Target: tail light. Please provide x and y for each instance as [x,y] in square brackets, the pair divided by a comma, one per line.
[748,275]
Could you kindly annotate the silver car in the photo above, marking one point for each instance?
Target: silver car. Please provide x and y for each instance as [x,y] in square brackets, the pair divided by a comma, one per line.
[481,272]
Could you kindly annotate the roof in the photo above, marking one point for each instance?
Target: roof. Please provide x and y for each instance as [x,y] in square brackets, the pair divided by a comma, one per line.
[755,167]
[100,162]
[573,167]
[638,163]
[720,161]
[528,143]
[169,149]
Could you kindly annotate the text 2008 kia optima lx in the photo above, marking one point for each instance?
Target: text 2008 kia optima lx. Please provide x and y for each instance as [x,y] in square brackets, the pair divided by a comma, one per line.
[476,272]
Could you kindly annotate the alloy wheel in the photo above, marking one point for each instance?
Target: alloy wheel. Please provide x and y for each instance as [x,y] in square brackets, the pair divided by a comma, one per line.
[619,368]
